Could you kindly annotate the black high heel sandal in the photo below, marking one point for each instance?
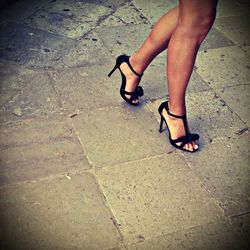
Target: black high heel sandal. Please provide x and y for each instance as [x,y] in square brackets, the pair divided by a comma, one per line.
[138,91]
[183,139]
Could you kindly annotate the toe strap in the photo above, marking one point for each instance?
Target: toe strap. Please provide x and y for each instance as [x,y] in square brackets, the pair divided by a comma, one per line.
[134,95]
[185,139]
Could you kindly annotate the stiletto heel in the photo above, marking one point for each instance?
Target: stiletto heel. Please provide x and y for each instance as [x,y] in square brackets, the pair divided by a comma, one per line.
[161,124]
[183,139]
[138,91]
[112,71]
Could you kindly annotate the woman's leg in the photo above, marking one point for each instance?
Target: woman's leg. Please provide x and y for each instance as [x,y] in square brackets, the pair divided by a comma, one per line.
[195,20]
[156,42]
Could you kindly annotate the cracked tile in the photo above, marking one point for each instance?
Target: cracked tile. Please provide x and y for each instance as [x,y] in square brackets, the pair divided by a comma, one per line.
[72,19]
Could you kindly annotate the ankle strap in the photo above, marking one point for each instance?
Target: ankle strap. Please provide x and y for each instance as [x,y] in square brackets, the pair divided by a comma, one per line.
[130,66]
[176,116]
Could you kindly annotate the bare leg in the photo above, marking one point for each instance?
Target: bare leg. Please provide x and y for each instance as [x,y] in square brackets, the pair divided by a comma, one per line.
[156,42]
[195,20]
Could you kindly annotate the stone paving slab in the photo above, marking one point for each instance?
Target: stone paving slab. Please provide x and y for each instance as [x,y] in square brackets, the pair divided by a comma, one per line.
[118,39]
[231,8]
[215,39]
[156,196]
[223,67]
[58,213]
[114,135]
[211,115]
[125,15]
[72,19]
[37,148]
[220,235]
[19,10]
[225,137]
[107,3]
[226,173]
[87,88]
[242,224]
[238,99]
[25,45]
[235,28]
[246,49]
[89,51]
[154,9]
[26,93]
[9,73]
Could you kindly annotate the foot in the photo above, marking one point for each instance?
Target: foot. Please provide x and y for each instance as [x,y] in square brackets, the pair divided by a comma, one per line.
[132,80]
[176,128]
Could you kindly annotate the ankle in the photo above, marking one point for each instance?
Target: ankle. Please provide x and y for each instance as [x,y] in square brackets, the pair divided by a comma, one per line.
[179,110]
[130,75]
[137,64]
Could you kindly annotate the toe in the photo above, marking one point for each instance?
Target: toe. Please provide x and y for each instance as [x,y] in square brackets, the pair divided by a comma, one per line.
[135,101]
[195,145]
[189,147]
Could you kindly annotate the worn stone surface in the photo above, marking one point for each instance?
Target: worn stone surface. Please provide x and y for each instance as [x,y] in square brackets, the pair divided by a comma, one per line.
[19,10]
[211,115]
[242,224]
[62,120]
[25,45]
[231,8]
[125,15]
[26,93]
[117,39]
[58,213]
[235,28]
[8,76]
[226,138]
[107,3]
[153,10]
[238,99]
[32,149]
[220,235]
[89,51]
[156,196]
[69,18]
[113,135]
[215,39]
[226,173]
[223,66]
[246,49]
[87,88]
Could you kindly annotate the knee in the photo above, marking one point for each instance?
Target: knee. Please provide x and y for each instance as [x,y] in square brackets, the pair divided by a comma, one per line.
[198,27]
[203,26]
